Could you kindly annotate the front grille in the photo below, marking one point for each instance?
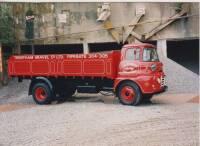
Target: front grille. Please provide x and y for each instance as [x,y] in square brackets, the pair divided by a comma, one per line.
[163,81]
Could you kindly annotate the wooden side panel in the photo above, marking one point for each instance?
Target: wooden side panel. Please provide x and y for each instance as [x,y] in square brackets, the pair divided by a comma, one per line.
[40,67]
[108,68]
[53,68]
[10,68]
[72,67]
[94,67]
[80,65]
[21,67]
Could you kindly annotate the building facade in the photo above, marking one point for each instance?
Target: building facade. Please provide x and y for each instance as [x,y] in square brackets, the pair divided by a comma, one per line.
[42,28]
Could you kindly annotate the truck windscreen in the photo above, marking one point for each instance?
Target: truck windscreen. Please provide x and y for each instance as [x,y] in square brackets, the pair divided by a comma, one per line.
[150,54]
[132,54]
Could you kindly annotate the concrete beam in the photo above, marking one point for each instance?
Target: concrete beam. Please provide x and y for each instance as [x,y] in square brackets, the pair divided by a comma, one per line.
[137,36]
[108,25]
[130,28]
[185,9]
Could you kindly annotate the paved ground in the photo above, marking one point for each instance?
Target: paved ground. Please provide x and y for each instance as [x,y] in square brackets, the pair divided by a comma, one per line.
[97,120]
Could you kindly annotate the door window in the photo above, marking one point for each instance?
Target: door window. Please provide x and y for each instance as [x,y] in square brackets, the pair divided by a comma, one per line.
[133,54]
[150,54]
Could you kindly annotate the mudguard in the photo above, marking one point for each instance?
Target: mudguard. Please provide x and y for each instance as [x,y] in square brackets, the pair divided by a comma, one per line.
[38,79]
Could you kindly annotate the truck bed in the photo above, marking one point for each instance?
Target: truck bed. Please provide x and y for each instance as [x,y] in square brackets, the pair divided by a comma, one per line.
[65,65]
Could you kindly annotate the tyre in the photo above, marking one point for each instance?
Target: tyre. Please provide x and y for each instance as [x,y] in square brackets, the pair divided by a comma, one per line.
[42,93]
[129,93]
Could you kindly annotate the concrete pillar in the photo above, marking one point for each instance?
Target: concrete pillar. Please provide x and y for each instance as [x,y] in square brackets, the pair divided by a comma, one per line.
[17,49]
[162,47]
[32,49]
[85,48]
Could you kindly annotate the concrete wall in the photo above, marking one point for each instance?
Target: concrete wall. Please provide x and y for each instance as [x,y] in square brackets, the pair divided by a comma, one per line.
[81,17]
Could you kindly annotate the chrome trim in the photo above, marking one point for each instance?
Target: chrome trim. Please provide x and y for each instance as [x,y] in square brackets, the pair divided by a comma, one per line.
[163,81]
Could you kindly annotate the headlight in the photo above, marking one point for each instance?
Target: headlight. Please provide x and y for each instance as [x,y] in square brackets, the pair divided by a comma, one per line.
[158,80]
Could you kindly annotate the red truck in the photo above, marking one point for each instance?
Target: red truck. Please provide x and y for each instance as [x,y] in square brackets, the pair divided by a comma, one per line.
[133,74]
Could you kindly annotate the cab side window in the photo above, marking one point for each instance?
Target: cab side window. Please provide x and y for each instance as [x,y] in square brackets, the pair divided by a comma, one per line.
[132,54]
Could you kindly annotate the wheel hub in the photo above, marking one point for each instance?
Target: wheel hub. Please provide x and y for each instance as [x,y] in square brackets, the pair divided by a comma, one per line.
[40,93]
[128,94]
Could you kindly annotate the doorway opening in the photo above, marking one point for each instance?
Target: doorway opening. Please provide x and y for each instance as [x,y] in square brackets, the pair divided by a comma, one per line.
[185,52]
[53,49]
[99,47]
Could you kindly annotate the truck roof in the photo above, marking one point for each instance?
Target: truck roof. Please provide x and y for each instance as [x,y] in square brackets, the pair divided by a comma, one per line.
[139,45]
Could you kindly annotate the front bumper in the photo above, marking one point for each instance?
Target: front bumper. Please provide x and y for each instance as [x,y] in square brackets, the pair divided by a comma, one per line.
[155,84]
[162,84]
[165,88]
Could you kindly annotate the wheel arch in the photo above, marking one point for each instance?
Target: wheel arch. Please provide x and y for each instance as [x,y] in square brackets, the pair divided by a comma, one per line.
[39,79]
[125,80]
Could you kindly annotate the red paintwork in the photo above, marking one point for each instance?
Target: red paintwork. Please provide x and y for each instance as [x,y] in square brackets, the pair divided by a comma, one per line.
[40,94]
[139,71]
[82,65]
[111,65]
[128,94]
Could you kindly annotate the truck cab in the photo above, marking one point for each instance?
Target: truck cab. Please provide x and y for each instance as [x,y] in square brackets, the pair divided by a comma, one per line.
[140,74]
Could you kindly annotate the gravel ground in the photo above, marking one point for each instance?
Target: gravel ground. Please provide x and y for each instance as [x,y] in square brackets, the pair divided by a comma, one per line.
[179,79]
[86,123]
[97,120]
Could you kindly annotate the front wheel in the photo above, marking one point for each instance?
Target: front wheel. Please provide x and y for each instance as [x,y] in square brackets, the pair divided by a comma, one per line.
[41,93]
[129,93]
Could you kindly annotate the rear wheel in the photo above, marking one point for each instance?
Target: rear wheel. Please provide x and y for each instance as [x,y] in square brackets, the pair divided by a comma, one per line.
[129,93]
[41,93]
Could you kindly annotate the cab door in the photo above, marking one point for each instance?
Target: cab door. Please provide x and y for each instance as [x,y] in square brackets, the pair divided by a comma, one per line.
[129,65]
